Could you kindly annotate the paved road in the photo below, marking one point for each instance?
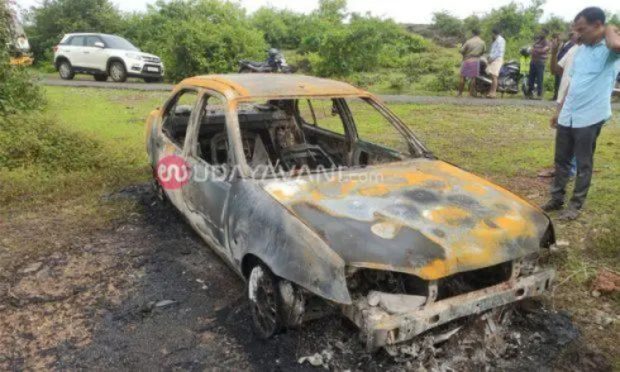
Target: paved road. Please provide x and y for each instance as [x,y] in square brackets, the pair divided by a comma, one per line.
[390,98]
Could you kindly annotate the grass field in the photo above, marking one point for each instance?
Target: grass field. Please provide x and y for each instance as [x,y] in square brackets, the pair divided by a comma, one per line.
[46,205]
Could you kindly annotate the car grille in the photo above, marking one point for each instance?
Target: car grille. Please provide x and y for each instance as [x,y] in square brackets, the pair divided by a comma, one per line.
[151,69]
[151,59]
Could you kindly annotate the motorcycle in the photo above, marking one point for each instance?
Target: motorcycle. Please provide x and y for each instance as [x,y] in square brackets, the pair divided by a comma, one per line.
[275,63]
[508,80]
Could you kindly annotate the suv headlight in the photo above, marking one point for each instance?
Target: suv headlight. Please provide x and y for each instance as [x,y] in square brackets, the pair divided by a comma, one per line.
[134,56]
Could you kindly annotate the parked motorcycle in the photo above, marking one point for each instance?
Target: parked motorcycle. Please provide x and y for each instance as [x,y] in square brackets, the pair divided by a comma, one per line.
[508,80]
[275,63]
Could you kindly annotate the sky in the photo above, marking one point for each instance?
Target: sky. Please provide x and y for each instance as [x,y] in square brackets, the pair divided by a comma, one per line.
[403,11]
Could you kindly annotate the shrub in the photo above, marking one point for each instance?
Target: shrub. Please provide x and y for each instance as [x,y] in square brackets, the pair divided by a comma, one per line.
[397,81]
[364,79]
[17,90]
[34,140]
[445,79]
[197,36]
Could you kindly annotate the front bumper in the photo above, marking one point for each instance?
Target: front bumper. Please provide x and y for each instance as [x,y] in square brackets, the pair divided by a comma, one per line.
[145,69]
[381,328]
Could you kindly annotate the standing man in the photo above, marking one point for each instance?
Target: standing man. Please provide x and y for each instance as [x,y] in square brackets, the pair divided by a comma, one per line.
[585,108]
[558,51]
[472,50]
[496,60]
[540,49]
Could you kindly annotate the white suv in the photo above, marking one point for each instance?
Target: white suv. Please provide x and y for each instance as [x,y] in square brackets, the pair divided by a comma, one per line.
[104,55]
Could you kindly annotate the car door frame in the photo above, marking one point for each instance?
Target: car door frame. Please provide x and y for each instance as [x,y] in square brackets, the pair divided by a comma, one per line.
[214,221]
[94,56]
[76,57]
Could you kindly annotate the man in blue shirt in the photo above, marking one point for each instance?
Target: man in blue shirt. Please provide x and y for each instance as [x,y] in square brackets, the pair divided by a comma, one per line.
[585,108]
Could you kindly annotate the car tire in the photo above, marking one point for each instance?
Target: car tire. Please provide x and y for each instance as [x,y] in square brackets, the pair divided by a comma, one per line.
[65,70]
[265,302]
[101,77]
[117,72]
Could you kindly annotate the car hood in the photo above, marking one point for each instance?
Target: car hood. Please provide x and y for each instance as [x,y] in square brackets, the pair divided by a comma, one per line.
[423,217]
[148,55]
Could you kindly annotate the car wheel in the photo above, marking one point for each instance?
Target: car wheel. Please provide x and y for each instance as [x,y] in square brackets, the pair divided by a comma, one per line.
[101,77]
[118,72]
[65,70]
[265,301]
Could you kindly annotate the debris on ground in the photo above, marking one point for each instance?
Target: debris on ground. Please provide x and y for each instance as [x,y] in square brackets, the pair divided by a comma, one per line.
[321,359]
[606,281]
[31,268]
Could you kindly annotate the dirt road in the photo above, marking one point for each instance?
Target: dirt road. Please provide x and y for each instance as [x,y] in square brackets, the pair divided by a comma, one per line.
[390,98]
[147,294]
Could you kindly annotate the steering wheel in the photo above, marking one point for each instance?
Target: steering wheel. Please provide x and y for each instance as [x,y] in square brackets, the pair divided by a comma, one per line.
[312,156]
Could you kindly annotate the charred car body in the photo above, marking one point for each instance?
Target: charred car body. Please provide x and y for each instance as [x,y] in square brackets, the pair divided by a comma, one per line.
[312,189]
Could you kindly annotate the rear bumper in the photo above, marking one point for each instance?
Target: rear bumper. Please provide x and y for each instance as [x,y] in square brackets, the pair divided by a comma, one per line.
[381,328]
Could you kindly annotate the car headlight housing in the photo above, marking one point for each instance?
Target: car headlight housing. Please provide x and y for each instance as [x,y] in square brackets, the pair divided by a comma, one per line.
[135,56]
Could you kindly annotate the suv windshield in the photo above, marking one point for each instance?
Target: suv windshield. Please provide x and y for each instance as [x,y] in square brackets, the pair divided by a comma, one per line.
[116,42]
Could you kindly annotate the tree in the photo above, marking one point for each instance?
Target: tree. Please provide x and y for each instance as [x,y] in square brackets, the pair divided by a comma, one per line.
[332,11]
[54,18]
[282,28]
[196,36]
[448,25]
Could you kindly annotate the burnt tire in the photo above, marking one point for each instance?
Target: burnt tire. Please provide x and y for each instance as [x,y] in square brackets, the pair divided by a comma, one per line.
[265,302]
[117,72]
[101,77]
[65,70]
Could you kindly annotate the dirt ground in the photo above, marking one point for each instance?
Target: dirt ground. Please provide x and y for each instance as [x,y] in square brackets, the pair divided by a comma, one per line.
[148,294]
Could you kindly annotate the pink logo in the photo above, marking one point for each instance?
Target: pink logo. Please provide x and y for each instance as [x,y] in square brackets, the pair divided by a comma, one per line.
[172,172]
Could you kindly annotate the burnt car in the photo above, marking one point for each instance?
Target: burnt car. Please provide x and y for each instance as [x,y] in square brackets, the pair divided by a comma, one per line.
[313,191]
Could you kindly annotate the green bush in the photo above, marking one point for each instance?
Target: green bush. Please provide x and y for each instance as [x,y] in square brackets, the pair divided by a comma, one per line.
[364,79]
[445,79]
[17,90]
[197,36]
[397,81]
[34,140]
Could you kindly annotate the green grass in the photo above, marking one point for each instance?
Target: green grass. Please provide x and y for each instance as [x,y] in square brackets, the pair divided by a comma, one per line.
[86,142]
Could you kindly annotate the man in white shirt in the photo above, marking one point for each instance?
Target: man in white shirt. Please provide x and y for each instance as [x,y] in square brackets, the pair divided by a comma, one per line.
[562,67]
[496,60]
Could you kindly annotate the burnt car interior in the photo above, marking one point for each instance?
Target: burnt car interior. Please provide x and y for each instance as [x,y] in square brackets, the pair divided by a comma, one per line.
[279,135]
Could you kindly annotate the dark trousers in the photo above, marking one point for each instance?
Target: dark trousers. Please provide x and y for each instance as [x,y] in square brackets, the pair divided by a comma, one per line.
[537,73]
[556,86]
[580,143]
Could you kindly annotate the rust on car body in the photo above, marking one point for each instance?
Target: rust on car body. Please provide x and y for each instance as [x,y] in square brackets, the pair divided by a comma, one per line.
[360,233]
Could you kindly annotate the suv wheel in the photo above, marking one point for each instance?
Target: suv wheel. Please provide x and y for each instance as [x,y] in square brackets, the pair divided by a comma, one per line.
[101,77]
[65,70]
[265,301]
[118,72]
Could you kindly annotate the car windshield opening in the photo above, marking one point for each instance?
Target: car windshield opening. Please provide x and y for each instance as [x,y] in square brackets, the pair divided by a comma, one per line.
[287,137]
[116,42]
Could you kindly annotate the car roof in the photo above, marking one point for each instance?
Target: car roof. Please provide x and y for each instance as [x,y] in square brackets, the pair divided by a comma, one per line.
[273,85]
[87,34]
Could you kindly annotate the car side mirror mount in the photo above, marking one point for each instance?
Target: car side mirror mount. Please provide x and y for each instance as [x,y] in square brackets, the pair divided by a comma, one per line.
[99,44]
